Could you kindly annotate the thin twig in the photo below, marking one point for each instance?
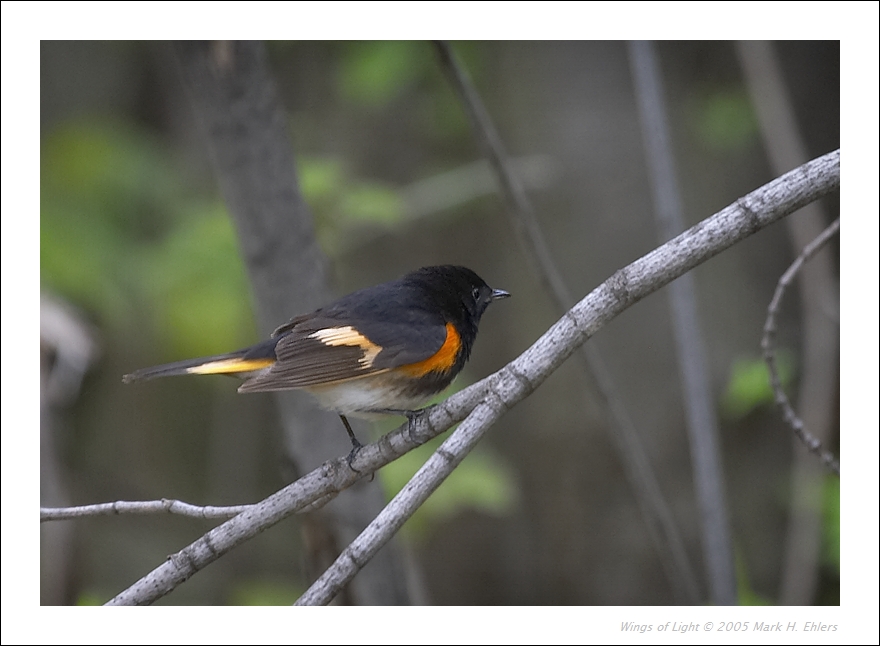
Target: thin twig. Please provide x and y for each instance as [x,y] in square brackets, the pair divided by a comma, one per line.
[640,474]
[140,507]
[768,343]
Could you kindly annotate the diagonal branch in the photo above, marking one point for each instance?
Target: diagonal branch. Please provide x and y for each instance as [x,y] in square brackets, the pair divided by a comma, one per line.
[518,379]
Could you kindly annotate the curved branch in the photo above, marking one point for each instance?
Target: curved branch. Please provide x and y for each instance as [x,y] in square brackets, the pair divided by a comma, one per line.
[768,346]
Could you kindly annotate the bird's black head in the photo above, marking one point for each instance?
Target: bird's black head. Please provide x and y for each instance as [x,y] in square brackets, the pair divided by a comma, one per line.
[459,291]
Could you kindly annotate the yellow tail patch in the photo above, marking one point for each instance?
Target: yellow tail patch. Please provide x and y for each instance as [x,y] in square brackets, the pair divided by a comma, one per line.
[227,366]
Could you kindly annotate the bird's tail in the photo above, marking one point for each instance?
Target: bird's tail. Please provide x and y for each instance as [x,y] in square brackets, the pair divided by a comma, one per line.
[242,363]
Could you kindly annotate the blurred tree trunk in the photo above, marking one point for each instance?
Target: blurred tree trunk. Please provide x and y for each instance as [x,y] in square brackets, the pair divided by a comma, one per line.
[236,102]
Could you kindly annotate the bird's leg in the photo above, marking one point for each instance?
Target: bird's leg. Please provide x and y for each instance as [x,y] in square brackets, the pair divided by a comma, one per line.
[355,444]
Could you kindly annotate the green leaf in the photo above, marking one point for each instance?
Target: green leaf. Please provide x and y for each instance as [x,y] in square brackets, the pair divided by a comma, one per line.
[748,386]
[319,179]
[264,593]
[726,120]
[197,283]
[103,188]
[481,482]
[374,73]
[342,206]
[372,202]
[89,598]
[746,596]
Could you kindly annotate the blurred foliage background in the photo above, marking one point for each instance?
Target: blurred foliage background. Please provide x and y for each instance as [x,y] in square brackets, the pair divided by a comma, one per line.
[139,254]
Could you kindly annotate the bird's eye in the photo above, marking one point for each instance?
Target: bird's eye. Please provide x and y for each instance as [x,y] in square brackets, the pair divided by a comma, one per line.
[476,294]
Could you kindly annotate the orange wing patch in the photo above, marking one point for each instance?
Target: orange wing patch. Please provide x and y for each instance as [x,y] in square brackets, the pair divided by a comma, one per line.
[230,366]
[335,336]
[443,360]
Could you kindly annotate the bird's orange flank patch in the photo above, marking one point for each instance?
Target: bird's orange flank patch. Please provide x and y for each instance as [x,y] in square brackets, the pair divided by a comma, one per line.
[442,360]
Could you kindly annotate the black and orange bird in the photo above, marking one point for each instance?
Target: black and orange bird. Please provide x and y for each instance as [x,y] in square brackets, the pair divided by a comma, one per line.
[385,349]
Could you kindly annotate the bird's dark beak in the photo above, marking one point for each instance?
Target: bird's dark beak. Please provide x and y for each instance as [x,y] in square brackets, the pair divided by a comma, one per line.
[499,293]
